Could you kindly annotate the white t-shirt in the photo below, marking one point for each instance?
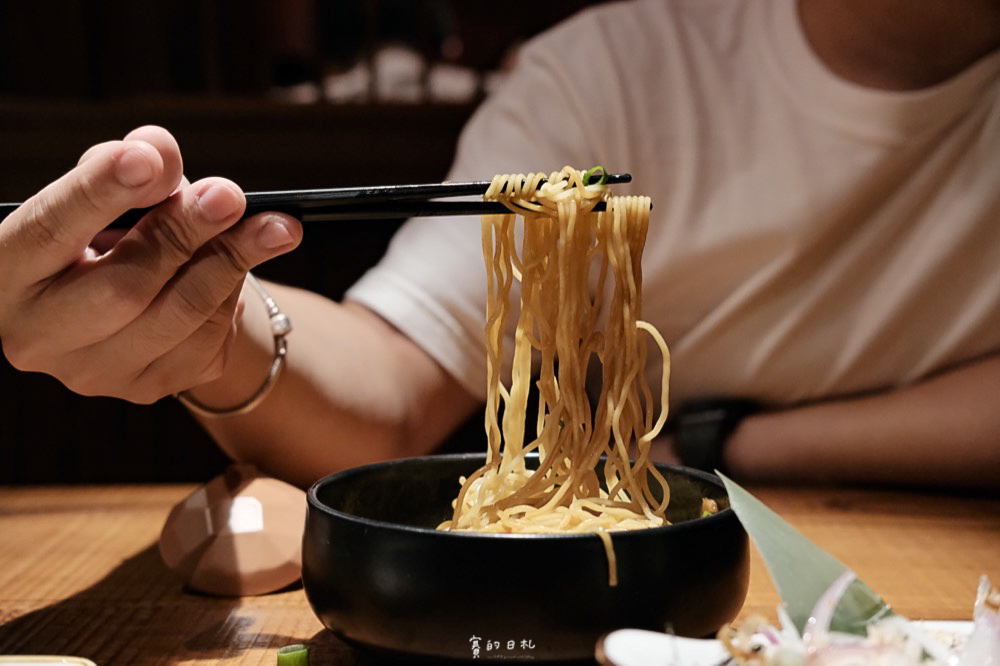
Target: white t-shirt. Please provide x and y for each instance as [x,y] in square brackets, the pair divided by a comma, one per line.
[810,237]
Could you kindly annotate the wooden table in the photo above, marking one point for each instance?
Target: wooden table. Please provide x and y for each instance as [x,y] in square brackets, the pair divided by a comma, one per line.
[80,573]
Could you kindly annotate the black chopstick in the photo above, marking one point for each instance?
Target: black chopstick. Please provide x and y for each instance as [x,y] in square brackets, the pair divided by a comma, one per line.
[394,210]
[362,203]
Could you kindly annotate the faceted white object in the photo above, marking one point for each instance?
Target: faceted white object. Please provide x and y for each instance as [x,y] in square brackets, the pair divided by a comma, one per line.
[240,534]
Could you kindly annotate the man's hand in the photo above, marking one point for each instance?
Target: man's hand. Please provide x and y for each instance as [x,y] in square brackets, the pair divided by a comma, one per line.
[137,315]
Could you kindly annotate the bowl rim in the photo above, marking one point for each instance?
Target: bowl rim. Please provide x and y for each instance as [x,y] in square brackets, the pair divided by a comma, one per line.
[315,504]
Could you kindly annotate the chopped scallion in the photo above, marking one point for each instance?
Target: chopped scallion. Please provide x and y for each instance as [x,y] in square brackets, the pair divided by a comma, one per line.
[293,655]
[592,172]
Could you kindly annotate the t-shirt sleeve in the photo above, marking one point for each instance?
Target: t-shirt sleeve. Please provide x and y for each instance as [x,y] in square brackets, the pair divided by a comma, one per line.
[431,284]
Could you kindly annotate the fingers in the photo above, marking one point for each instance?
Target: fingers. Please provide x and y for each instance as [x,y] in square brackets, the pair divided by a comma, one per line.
[215,272]
[170,152]
[183,338]
[170,235]
[123,282]
[53,228]
[162,141]
[201,357]
[102,369]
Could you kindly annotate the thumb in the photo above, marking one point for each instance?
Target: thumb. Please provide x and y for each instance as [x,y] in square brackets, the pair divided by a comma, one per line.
[53,228]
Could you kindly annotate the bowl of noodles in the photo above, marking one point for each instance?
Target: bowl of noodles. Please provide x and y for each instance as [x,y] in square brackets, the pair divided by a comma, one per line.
[380,574]
[565,529]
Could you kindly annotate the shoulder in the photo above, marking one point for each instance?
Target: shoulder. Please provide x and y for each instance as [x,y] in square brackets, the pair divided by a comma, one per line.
[638,27]
[644,52]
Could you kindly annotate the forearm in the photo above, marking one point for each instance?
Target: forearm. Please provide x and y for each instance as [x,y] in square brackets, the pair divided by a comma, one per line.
[944,431]
[354,391]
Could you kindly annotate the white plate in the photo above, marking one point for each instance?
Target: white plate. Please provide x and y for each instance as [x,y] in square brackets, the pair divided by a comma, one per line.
[636,647]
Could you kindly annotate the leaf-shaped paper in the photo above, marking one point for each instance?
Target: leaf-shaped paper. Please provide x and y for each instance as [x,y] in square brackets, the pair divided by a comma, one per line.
[801,570]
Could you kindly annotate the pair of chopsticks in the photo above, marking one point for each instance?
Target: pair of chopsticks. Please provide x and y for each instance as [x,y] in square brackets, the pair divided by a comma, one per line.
[380,202]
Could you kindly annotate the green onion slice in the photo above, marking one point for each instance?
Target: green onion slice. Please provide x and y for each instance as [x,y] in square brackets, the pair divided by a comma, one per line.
[293,655]
[591,173]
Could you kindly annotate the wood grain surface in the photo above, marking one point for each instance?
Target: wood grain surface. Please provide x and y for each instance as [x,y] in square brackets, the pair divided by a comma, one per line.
[80,573]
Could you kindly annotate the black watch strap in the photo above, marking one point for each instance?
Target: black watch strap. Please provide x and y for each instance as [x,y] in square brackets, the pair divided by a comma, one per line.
[701,428]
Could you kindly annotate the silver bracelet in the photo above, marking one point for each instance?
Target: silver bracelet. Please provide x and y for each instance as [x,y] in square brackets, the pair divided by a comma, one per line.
[281,326]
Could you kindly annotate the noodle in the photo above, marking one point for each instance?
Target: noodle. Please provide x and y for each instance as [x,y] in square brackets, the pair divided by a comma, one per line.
[566,326]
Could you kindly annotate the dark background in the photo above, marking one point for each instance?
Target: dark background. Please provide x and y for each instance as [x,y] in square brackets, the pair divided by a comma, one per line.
[219,74]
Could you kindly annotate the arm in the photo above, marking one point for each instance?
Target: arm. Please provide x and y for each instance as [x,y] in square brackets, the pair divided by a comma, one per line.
[944,431]
[355,390]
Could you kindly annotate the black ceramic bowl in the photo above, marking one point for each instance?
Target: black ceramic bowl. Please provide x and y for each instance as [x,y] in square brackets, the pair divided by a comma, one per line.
[377,573]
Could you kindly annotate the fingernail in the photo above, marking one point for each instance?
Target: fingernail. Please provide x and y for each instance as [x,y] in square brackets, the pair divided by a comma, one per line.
[134,168]
[274,235]
[218,202]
